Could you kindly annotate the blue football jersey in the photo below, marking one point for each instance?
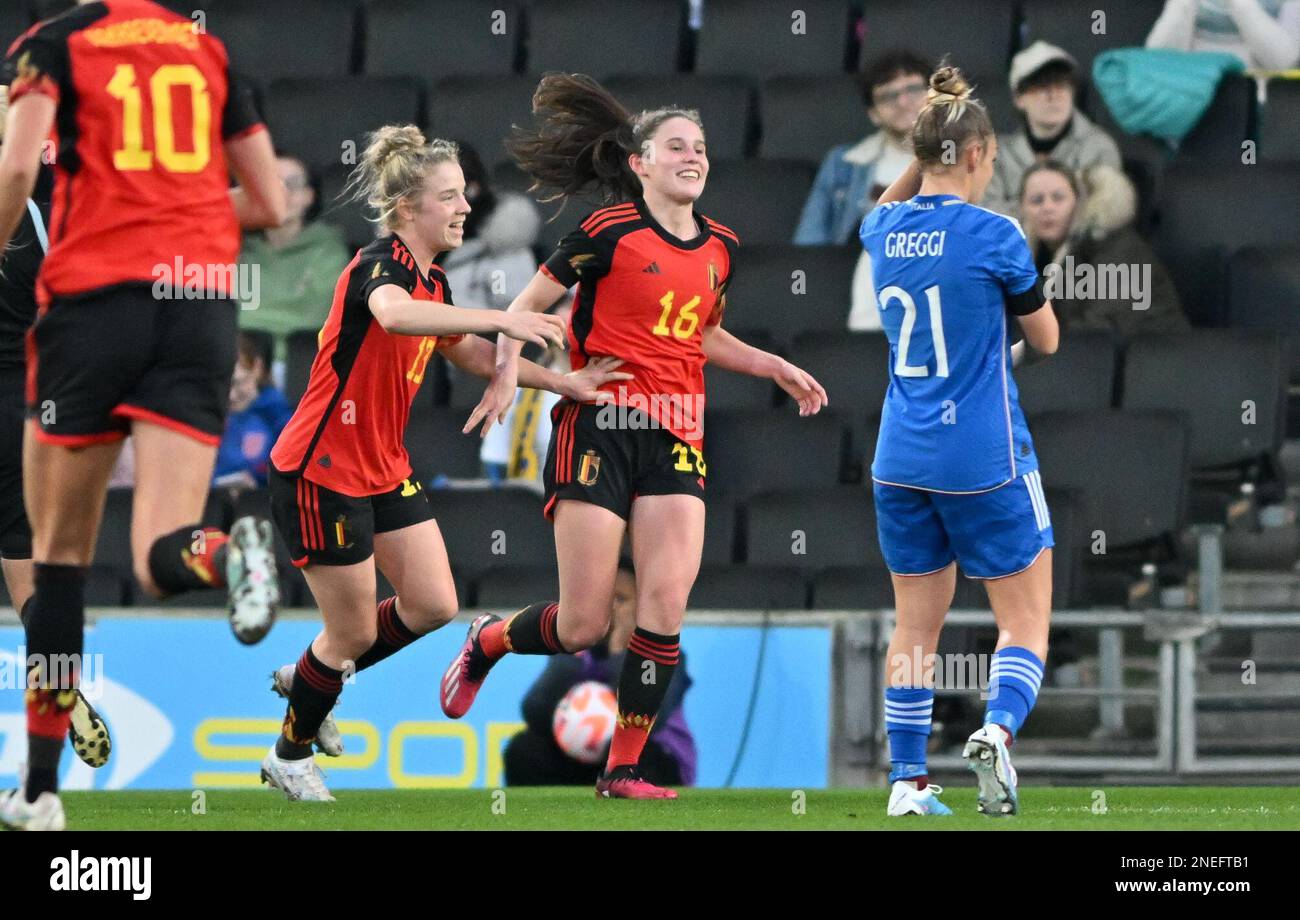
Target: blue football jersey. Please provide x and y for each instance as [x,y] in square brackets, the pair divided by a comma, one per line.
[946,273]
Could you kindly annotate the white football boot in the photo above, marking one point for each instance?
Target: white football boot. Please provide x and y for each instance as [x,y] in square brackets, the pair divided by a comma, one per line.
[251,577]
[89,733]
[906,799]
[299,780]
[17,814]
[987,754]
[329,740]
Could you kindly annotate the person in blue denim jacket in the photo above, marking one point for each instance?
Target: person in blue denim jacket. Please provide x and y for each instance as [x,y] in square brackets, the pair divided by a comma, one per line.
[853,176]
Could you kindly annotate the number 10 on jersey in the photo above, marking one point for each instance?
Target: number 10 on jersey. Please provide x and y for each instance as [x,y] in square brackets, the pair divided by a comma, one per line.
[901,367]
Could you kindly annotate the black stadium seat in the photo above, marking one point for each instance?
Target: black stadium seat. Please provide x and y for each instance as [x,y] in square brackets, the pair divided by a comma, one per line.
[1208,211]
[485,528]
[978,43]
[1279,123]
[762,39]
[339,207]
[751,452]
[1264,293]
[508,588]
[786,290]
[1075,26]
[480,111]
[325,121]
[1213,377]
[301,353]
[268,39]
[1227,122]
[814,529]
[462,38]
[852,587]
[804,116]
[758,199]
[725,105]
[14,21]
[437,447]
[730,390]
[1129,470]
[734,587]
[600,38]
[720,526]
[1081,375]
[853,367]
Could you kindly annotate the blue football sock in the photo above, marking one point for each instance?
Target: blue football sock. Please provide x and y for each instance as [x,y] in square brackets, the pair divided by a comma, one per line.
[1014,680]
[907,721]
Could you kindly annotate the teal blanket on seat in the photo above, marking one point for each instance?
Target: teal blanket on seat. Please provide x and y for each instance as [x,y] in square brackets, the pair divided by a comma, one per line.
[1159,91]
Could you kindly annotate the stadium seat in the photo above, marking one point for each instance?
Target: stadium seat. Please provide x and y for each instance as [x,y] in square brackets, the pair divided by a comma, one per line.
[352,107]
[302,350]
[762,39]
[853,367]
[1264,293]
[750,452]
[978,44]
[480,111]
[1213,377]
[14,21]
[1129,470]
[758,199]
[995,93]
[721,520]
[1208,211]
[803,117]
[737,587]
[484,528]
[1228,121]
[852,587]
[600,38]
[269,39]
[1081,375]
[1279,123]
[505,589]
[786,290]
[348,215]
[473,38]
[113,545]
[813,528]
[293,586]
[725,105]
[437,447]
[465,389]
[1075,27]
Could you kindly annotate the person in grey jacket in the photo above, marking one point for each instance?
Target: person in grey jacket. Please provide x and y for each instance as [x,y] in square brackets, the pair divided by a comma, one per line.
[853,176]
[1044,81]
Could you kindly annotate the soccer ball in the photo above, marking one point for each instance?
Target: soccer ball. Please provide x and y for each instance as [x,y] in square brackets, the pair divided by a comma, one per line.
[584,721]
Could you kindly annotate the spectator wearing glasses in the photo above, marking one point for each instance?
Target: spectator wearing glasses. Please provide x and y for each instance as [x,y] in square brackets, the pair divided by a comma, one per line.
[853,176]
[297,263]
[1044,80]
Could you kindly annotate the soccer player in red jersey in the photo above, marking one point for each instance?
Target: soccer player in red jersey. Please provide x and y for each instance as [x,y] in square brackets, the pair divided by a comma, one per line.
[652,275]
[342,491]
[148,123]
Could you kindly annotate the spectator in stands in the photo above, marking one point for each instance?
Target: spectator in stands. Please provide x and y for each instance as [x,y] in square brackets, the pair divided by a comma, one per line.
[853,176]
[298,265]
[496,260]
[1265,34]
[1078,226]
[532,758]
[1044,80]
[258,411]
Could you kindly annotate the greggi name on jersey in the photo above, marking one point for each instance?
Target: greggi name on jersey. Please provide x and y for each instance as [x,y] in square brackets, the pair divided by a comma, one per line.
[912,245]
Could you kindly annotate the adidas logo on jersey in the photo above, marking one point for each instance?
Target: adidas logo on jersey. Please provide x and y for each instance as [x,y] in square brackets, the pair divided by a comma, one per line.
[652,269]
[324,461]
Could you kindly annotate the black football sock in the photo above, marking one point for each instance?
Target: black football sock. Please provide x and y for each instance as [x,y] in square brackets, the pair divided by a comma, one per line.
[532,631]
[648,668]
[392,635]
[55,626]
[316,687]
[189,559]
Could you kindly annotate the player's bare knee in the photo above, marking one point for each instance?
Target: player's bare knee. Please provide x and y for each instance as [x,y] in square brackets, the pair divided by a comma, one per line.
[583,634]
[425,614]
[351,643]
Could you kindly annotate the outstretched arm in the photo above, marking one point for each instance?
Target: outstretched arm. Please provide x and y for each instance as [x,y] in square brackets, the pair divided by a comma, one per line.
[723,349]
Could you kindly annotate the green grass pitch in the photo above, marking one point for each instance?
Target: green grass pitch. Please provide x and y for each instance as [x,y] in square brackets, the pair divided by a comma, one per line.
[1042,808]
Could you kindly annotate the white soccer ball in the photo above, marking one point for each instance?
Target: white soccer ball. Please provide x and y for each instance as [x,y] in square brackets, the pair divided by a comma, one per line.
[584,721]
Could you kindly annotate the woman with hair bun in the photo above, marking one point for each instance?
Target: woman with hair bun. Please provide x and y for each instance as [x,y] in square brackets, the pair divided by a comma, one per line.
[955,476]
[652,276]
[342,493]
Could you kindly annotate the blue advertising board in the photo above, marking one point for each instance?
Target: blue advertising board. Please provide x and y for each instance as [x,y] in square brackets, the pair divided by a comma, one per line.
[189,708]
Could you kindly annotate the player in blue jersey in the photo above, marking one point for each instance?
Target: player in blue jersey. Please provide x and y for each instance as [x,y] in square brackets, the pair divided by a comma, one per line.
[955,475]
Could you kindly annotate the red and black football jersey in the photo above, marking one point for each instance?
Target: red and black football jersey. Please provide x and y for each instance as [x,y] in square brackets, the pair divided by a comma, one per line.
[348,431]
[146,103]
[645,296]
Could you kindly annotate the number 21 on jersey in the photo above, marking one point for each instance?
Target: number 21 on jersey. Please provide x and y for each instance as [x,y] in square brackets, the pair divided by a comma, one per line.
[901,367]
